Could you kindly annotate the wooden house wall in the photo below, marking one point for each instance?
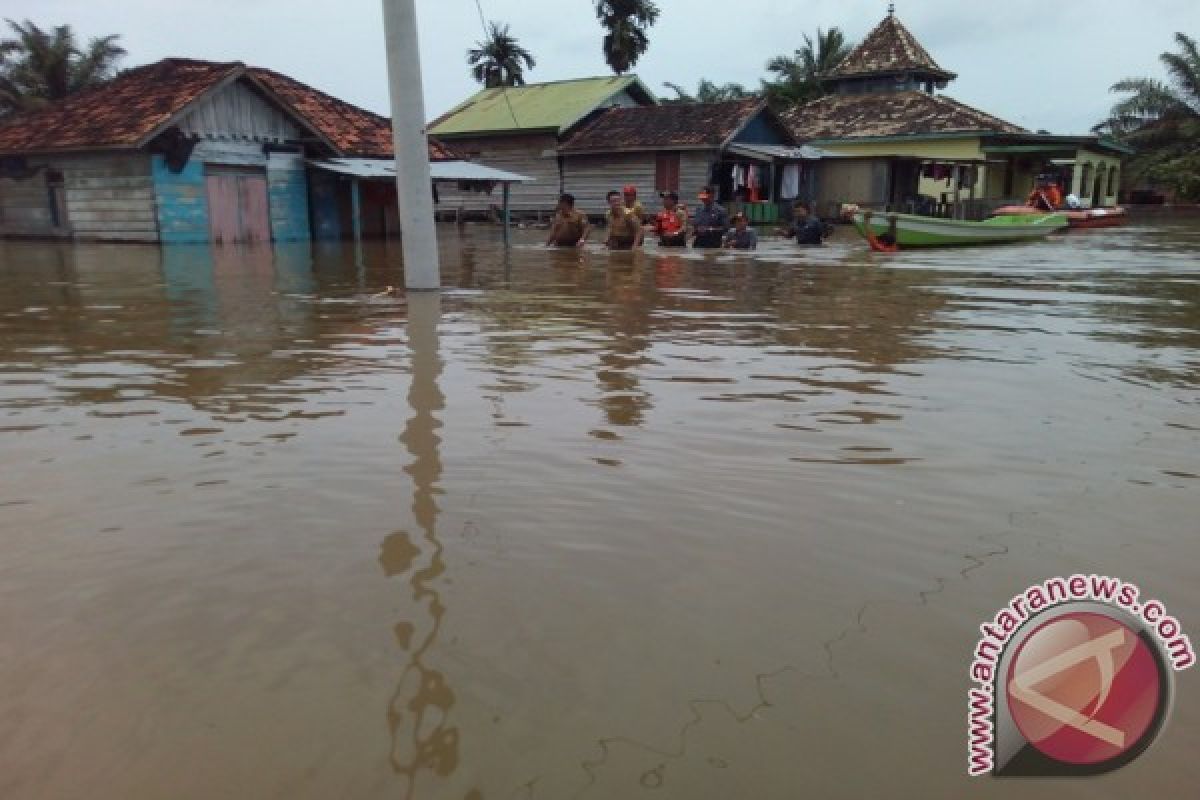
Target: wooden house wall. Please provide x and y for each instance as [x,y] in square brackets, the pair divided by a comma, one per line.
[591,176]
[534,156]
[238,112]
[107,196]
[861,181]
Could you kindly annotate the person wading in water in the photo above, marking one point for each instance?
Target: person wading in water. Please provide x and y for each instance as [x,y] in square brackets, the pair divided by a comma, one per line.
[624,227]
[569,228]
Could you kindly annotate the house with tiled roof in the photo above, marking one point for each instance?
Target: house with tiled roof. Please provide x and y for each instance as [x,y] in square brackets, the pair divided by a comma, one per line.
[519,129]
[194,151]
[900,145]
[740,147]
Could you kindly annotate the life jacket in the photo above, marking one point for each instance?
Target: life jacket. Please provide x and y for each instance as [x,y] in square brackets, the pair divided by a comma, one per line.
[667,223]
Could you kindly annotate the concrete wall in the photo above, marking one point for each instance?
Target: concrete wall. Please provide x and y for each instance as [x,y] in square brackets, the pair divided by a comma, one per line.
[104,196]
[1098,167]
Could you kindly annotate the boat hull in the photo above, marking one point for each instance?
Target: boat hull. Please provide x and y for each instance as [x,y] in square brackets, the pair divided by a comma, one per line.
[916,231]
[1107,217]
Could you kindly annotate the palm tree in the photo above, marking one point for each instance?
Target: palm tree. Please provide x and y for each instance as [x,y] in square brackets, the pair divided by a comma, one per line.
[38,67]
[798,77]
[707,92]
[626,22]
[1153,106]
[497,61]
[1162,119]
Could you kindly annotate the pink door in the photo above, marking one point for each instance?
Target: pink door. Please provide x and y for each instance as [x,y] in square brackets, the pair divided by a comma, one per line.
[223,216]
[256,222]
[237,206]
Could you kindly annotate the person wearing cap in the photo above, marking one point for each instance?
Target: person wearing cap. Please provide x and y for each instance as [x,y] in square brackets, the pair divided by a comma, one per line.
[632,204]
[806,228]
[569,228]
[671,223]
[624,227]
[741,236]
[709,222]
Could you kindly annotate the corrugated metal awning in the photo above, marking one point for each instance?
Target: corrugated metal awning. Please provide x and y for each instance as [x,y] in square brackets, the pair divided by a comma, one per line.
[385,168]
[770,152]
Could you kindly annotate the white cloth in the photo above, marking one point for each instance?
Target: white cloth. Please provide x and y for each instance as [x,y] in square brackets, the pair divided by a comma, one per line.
[789,188]
[737,177]
[1073,201]
[752,177]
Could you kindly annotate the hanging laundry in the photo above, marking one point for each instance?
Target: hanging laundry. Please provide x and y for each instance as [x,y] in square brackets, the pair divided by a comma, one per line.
[789,186]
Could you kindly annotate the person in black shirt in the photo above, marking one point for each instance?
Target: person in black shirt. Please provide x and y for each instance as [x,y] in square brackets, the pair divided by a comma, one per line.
[806,228]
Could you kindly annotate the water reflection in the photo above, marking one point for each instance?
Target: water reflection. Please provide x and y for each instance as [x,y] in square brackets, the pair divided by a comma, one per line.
[801,459]
[424,739]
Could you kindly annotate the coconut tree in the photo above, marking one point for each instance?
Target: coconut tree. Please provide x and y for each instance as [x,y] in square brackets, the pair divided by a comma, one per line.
[626,22]
[1162,120]
[499,60]
[797,78]
[38,66]
[707,92]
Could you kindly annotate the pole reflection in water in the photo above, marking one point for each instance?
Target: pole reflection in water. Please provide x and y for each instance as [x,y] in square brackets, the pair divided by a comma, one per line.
[423,736]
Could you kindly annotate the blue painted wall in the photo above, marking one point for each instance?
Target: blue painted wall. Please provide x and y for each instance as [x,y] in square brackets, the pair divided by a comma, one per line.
[760,131]
[326,216]
[180,201]
[287,195]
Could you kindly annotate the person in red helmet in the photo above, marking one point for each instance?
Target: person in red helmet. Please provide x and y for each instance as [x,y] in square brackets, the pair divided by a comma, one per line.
[632,204]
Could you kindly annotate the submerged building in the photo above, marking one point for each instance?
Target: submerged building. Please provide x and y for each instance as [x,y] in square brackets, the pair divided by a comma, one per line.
[900,145]
[184,151]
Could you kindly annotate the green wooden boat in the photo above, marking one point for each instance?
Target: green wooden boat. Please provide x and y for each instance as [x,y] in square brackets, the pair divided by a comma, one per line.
[914,231]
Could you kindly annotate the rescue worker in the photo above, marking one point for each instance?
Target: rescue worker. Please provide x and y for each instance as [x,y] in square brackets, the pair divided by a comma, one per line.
[670,224]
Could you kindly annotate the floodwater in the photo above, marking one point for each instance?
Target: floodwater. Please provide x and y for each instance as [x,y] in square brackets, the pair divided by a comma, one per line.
[688,525]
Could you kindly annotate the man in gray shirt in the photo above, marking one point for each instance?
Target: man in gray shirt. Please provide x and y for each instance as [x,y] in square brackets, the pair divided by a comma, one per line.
[709,222]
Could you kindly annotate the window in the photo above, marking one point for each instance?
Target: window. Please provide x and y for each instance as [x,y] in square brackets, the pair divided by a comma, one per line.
[666,172]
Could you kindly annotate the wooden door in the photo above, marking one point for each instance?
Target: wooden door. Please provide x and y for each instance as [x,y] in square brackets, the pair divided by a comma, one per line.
[256,221]
[237,205]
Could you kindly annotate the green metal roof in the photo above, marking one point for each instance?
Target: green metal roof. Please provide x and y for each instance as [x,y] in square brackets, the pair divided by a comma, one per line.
[554,106]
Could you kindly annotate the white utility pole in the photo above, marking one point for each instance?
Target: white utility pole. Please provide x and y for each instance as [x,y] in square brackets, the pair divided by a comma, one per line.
[414,189]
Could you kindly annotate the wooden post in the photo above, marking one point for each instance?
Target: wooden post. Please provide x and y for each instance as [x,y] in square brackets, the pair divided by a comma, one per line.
[974,178]
[507,186]
[413,182]
[954,193]
[355,209]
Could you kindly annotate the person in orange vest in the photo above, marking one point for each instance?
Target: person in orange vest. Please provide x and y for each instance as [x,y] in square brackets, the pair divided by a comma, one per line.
[1046,196]
[671,223]
[884,242]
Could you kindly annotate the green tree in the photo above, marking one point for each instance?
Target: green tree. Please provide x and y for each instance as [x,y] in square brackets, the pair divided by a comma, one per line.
[499,60]
[1162,120]
[797,78]
[626,22]
[39,67]
[707,92]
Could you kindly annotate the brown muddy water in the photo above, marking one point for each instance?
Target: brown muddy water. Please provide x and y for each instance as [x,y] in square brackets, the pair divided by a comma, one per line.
[640,525]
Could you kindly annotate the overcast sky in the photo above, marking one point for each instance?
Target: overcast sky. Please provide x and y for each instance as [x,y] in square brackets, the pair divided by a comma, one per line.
[1038,63]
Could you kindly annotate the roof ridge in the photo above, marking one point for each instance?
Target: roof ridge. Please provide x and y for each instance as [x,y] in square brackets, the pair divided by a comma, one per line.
[252,70]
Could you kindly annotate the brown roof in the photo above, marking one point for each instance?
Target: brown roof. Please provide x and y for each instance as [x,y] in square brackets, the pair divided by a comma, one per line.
[120,113]
[133,107]
[888,49]
[849,116]
[352,130]
[677,125]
